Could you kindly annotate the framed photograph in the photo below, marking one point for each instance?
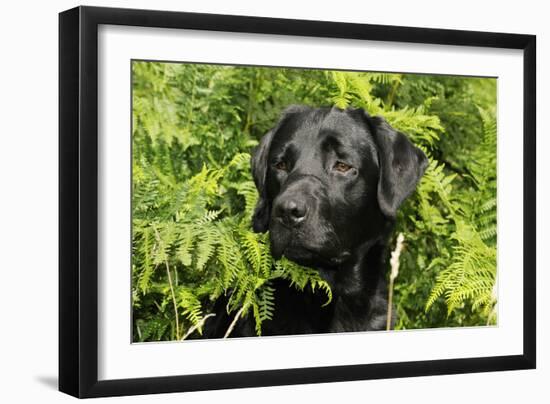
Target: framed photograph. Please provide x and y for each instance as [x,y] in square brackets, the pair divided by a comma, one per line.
[251,201]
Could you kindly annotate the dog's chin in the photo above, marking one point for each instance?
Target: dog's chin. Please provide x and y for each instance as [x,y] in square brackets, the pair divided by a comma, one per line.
[311,257]
[321,251]
[301,256]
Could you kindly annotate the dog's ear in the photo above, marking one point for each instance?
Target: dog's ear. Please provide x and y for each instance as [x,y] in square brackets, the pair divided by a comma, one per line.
[401,165]
[259,164]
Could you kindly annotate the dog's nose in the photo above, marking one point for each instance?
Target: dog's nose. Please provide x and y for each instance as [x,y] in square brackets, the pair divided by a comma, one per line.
[291,211]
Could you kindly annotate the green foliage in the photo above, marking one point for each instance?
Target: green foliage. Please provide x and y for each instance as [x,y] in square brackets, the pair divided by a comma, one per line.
[194,127]
[185,230]
[471,274]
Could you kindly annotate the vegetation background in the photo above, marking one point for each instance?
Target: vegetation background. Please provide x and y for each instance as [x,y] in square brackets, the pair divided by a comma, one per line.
[194,127]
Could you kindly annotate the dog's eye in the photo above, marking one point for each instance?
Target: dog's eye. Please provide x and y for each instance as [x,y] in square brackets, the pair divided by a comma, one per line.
[281,165]
[341,167]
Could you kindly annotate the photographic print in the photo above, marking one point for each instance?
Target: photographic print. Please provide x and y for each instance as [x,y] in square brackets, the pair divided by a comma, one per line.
[283,201]
[249,201]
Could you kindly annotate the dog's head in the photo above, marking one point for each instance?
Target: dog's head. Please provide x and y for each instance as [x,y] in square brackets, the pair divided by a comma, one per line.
[329,180]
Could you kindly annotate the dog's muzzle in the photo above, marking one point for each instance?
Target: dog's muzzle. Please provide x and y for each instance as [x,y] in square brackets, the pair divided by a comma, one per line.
[290,210]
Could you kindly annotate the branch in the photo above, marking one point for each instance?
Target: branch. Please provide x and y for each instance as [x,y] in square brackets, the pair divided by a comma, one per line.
[394,262]
[494,309]
[175,303]
[198,325]
[234,322]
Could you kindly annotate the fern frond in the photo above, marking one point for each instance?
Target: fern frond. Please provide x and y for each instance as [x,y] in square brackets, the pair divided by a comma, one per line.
[471,275]
[342,97]
[256,250]
[186,243]
[231,259]
[208,240]
[264,307]
[147,267]
[165,236]
[423,129]
[248,191]
[191,305]
[300,277]
[384,78]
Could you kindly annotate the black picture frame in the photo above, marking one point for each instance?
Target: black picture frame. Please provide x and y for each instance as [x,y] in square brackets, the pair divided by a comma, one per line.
[78,200]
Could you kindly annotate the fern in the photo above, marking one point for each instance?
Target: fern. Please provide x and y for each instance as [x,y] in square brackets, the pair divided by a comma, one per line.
[356,89]
[385,78]
[248,191]
[186,243]
[256,249]
[342,96]
[263,307]
[266,303]
[193,196]
[165,234]
[206,245]
[470,276]
[231,258]
[191,305]
[147,269]
[423,129]
[300,277]
[199,241]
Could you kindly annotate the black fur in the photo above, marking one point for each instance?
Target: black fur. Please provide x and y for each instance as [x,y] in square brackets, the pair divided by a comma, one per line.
[330,182]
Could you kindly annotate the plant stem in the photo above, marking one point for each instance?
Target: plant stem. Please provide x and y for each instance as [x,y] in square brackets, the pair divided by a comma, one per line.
[391,95]
[190,111]
[494,309]
[234,322]
[174,301]
[197,326]
[394,262]
[251,93]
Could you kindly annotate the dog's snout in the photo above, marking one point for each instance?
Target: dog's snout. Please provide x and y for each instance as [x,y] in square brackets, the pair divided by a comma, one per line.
[291,211]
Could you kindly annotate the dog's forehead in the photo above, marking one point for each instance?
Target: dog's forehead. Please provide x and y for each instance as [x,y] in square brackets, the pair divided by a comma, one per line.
[348,129]
[313,128]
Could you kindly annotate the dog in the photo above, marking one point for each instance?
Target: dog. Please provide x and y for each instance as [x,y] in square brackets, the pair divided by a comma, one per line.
[330,182]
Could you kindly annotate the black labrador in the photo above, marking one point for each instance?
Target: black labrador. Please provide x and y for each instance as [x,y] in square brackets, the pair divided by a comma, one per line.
[330,182]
